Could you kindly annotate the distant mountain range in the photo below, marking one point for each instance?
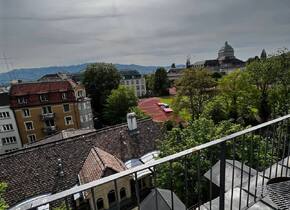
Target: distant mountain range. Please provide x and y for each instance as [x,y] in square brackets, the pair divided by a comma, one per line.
[29,74]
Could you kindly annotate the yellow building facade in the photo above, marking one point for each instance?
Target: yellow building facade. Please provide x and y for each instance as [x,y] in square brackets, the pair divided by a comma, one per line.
[36,123]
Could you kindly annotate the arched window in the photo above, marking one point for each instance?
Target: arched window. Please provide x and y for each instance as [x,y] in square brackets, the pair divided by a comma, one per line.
[111,196]
[122,193]
[100,204]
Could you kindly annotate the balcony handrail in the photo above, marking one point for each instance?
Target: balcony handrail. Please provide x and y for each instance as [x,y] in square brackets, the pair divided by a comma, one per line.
[154,163]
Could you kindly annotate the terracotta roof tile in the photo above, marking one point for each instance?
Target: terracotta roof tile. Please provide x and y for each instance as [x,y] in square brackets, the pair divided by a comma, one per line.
[96,164]
[40,87]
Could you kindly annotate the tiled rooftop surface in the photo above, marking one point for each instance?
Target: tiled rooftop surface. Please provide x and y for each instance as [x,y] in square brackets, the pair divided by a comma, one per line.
[96,164]
[150,107]
[34,171]
[40,87]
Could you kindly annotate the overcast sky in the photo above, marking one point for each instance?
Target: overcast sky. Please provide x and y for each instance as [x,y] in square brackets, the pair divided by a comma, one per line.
[37,33]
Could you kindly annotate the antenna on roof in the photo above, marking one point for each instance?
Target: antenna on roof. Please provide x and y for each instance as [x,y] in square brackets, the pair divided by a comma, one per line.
[60,168]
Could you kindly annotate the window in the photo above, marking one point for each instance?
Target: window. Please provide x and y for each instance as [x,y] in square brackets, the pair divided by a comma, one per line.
[66,107]
[64,96]
[100,204]
[80,93]
[43,97]
[127,83]
[122,193]
[46,110]
[137,82]
[4,115]
[26,112]
[68,120]
[111,197]
[49,123]
[22,100]
[29,126]
[6,127]
[9,140]
[31,138]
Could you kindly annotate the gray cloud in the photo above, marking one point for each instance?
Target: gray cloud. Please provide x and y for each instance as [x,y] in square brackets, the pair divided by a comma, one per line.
[56,32]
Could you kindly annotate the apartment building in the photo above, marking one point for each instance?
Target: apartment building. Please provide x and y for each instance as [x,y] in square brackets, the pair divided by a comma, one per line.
[9,136]
[44,108]
[133,79]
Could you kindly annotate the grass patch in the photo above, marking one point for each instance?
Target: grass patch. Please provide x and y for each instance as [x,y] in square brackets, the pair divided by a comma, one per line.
[183,114]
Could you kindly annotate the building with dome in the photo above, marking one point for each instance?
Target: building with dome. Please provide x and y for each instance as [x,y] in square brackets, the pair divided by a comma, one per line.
[226,61]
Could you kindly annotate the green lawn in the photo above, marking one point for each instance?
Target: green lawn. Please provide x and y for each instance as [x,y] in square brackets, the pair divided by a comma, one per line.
[167,99]
[183,114]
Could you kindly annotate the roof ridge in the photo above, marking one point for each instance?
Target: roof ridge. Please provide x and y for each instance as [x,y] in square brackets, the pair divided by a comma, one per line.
[95,149]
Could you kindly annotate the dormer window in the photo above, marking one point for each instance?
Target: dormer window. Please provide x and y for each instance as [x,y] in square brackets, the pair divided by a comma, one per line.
[22,100]
[43,97]
[64,96]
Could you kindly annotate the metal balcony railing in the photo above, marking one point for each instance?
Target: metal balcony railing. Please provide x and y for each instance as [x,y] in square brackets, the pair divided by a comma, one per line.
[46,116]
[227,173]
[50,129]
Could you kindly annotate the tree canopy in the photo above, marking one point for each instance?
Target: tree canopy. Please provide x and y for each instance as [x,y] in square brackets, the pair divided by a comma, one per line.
[161,82]
[3,204]
[195,87]
[100,79]
[118,105]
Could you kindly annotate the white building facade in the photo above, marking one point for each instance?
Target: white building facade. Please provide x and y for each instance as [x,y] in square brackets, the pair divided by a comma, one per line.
[9,135]
[133,79]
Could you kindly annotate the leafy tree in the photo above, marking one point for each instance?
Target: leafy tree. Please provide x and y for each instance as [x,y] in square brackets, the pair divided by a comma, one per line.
[263,74]
[199,132]
[3,204]
[139,113]
[100,79]
[280,93]
[216,109]
[239,95]
[173,65]
[118,104]
[197,85]
[150,84]
[161,82]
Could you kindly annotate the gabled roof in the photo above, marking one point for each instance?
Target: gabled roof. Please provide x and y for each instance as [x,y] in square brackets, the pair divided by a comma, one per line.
[97,163]
[163,200]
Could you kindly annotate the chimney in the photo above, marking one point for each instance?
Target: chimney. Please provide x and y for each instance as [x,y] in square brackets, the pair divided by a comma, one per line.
[131,121]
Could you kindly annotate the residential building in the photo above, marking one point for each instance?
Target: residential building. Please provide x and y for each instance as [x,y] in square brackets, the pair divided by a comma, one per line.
[55,77]
[100,164]
[45,107]
[226,61]
[133,79]
[175,73]
[9,136]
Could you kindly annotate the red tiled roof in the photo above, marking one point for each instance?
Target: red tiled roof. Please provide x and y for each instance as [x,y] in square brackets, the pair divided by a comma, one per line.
[22,89]
[151,108]
[96,164]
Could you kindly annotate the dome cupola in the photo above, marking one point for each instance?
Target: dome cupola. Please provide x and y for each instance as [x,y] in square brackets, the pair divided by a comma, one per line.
[226,52]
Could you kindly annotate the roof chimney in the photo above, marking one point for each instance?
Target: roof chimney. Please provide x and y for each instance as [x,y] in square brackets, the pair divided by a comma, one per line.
[131,121]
